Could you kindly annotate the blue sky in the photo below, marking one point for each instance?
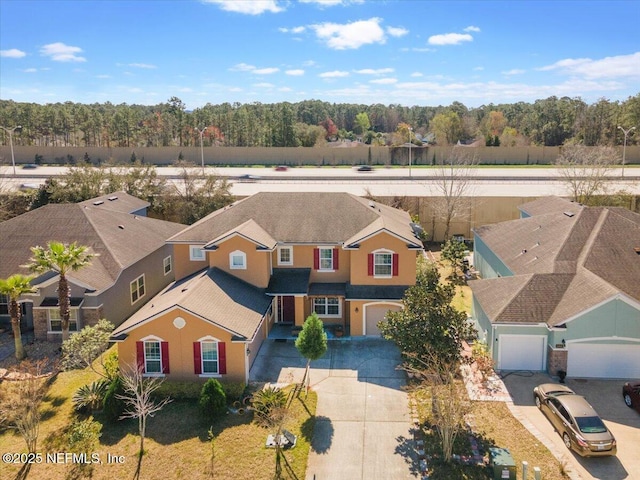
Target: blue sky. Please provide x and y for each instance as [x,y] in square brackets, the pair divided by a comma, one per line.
[408,52]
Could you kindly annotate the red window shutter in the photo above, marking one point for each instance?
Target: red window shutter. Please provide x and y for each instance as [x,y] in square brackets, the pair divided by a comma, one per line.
[164,350]
[222,358]
[316,258]
[395,264]
[197,364]
[140,356]
[370,264]
[336,252]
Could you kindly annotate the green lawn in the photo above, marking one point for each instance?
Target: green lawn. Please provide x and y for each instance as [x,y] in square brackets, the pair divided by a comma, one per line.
[177,444]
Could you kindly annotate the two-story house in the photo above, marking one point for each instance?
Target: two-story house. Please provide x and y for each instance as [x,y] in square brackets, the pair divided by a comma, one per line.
[132,262]
[272,258]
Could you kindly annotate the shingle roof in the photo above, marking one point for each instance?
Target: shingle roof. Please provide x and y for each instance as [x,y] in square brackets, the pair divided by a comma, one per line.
[119,239]
[562,264]
[289,281]
[550,204]
[213,295]
[116,202]
[375,292]
[309,217]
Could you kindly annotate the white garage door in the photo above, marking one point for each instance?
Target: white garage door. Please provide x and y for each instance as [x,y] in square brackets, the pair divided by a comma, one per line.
[374,314]
[521,352]
[603,361]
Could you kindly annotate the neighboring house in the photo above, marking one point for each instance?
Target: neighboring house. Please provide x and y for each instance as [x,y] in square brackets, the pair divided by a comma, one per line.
[560,290]
[133,261]
[272,258]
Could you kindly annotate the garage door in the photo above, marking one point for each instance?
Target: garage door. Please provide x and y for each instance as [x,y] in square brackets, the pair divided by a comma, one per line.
[521,352]
[603,361]
[374,314]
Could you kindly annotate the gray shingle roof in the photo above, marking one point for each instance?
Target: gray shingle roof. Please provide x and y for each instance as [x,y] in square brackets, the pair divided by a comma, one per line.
[550,204]
[309,217]
[117,202]
[375,292]
[289,281]
[119,239]
[213,295]
[562,265]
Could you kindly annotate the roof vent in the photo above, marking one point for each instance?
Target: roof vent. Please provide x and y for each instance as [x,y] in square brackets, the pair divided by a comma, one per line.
[111,199]
[121,227]
[637,250]
[98,202]
[569,214]
[372,204]
[524,250]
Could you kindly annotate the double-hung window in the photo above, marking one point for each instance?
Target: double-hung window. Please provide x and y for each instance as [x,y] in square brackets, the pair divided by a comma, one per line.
[55,320]
[196,253]
[382,264]
[209,357]
[152,357]
[167,265]
[137,289]
[327,306]
[285,255]
[209,352]
[238,260]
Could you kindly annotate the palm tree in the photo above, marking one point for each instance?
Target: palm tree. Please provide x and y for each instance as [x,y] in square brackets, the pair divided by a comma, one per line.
[13,287]
[61,258]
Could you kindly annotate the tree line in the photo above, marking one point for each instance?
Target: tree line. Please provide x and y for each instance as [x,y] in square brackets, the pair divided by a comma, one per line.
[547,122]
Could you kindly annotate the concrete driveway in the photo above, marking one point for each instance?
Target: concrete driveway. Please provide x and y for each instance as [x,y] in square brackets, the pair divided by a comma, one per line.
[363,426]
[606,397]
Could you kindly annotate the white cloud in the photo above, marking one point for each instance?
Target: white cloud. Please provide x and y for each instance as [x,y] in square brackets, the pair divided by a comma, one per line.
[397,31]
[263,85]
[513,71]
[103,76]
[449,39]
[30,70]
[296,72]
[12,53]
[372,71]
[608,67]
[242,67]
[417,74]
[472,28]
[248,7]
[295,30]
[59,52]
[384,81]
[350,35]
[334,74]
[142,65]
[265,71]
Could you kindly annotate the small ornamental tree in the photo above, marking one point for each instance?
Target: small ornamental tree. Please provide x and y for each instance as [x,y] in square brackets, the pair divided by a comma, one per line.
[80,350]
[453,251]
[311,342]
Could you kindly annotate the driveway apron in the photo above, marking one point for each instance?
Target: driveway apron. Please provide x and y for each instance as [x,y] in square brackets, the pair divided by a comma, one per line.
[363,425]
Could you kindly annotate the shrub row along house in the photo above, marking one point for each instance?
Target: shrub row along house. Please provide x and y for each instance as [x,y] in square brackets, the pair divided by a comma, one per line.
[270,259]
[560,290]
[132,261]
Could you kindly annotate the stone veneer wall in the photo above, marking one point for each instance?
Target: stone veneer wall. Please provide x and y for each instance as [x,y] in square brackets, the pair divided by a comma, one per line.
[40,327]
[557,360]
[90,316]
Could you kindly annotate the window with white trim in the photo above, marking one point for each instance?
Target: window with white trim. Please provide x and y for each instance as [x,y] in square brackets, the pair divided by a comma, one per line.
[327,306]
[196,253]
[152,357]
[238,260]
[137,289]
[383,264]
[326,258]
[55,319]
[285,255]
[167,265]
[209,357]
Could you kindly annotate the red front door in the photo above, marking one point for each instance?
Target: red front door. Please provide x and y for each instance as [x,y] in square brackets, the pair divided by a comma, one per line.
[286,309]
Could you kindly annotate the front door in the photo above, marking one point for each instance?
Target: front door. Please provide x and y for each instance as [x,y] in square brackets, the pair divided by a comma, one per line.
[286,309]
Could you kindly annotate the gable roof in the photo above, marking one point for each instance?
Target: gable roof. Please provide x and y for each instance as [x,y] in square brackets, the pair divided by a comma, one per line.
[213,295]
[562,264]
[116,202]
[119,239]
[308,218]
[550,204]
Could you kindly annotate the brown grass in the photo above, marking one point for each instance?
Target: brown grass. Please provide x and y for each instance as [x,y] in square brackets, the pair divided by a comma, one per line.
[177,445]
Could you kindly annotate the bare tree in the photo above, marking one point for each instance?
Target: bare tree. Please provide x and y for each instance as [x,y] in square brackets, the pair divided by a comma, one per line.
[586,170]
[453,187]
[138,396]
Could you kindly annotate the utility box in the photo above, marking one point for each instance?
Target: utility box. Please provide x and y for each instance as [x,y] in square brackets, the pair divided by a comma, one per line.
[501,464]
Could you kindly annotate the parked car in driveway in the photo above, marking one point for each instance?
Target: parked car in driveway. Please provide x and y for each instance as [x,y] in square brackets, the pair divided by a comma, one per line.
[631,395]
[575,420]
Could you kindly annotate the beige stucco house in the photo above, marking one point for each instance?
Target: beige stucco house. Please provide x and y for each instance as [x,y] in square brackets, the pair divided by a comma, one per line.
[271,259]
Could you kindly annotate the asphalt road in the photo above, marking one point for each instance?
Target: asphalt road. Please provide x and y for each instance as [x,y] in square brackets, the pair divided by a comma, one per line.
[512,181]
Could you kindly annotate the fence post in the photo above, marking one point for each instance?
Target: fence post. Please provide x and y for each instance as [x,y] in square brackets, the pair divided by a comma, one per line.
[525,468]
[537,475]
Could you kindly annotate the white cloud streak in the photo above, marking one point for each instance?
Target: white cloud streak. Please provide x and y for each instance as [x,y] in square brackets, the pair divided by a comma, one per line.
[248,7]
[59,52]
[450,39]
[608,67]
[350,35]
[334,74]
[12,53]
